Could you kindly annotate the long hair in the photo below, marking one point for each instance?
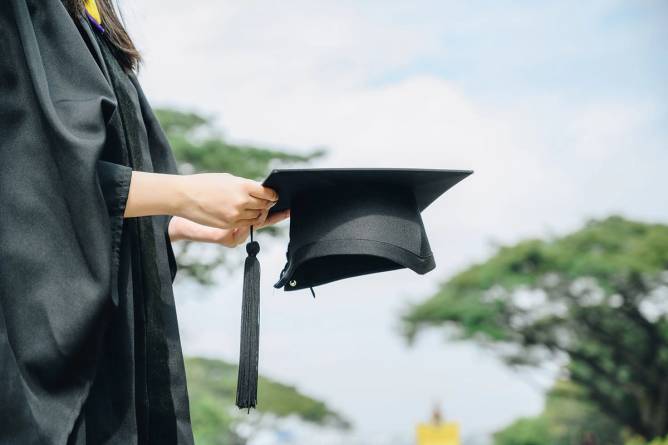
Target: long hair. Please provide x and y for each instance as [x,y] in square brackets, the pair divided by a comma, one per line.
[126,52]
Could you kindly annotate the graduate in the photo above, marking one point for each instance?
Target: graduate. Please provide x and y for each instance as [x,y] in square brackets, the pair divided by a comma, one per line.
[90,201]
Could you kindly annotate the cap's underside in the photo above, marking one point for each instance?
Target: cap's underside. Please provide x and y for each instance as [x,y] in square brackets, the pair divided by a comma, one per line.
[332,260]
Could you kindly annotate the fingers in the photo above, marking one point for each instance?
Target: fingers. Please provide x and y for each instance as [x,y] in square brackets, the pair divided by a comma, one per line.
[258,203]
[259,191]
[240,233]
[253,209]
[257,221]
[261,218]
[276,218]
[250,214]
[232,237]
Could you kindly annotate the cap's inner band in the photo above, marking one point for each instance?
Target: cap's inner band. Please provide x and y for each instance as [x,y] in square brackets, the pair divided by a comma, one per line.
[326,261]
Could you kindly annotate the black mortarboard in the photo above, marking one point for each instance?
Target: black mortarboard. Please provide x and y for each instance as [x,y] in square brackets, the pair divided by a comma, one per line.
[343,223]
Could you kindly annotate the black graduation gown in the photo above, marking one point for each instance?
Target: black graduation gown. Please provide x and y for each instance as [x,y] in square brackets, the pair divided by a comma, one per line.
[89,343]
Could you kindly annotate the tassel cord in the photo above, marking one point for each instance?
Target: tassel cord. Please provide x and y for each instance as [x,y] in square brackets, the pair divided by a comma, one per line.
[250,329]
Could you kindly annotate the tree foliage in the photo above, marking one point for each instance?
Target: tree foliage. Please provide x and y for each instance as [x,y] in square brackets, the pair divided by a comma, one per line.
[567,419]
[198,147]
[212,390]
[596,298]
[640,441]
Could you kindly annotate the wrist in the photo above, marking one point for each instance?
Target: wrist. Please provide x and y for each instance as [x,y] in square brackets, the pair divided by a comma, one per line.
[156,194]
[179,196]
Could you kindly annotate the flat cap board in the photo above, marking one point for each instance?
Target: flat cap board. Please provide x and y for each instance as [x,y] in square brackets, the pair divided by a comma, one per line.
[427,184]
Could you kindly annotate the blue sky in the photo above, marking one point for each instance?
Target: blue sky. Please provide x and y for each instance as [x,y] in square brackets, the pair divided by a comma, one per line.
[505,48]
[560,108]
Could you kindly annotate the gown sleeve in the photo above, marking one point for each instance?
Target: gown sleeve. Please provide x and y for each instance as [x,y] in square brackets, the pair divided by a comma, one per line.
[162,157]
[115,183]
[58,207]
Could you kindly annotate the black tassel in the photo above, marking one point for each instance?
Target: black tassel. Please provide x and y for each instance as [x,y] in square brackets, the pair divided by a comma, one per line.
[250,329]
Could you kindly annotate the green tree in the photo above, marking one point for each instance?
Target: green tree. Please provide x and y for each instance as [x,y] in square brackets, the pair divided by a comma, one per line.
[640,441]
[567,419]
[595,299]
[212,389]
[525,431]
[199,147]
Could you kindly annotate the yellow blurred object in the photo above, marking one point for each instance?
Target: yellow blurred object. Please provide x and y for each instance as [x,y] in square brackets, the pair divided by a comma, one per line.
[91,7]
[438,434]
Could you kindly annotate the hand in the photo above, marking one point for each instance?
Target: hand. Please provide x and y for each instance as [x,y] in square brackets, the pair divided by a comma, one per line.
[224,201]
[217,200]
[181,228]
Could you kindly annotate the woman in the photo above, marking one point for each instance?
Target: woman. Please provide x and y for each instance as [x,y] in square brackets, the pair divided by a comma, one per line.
[90,202]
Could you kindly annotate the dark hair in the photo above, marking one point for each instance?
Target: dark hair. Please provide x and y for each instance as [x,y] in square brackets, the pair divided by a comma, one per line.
[126,52]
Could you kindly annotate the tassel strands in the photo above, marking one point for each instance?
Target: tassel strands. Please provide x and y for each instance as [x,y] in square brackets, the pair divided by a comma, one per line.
[250,329]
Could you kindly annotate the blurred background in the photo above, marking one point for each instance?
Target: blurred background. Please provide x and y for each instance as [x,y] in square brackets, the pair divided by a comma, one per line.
[545,321]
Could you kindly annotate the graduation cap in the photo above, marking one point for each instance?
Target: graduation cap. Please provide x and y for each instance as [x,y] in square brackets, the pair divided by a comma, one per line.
[343,223]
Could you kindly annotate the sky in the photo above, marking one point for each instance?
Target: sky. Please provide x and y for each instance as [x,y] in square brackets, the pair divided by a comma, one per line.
[560,108]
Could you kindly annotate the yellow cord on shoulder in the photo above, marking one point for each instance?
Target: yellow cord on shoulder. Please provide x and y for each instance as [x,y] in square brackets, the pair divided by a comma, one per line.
[91,7]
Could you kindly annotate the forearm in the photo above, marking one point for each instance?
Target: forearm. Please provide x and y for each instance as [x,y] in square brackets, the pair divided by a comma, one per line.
[154,194]
[207,200]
